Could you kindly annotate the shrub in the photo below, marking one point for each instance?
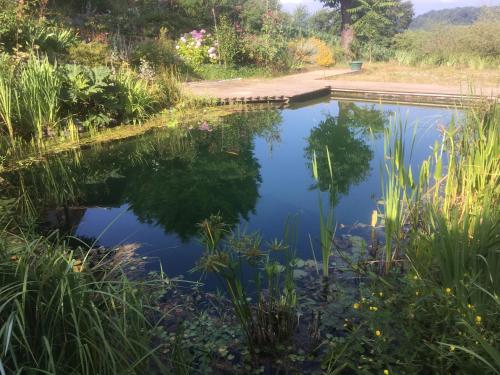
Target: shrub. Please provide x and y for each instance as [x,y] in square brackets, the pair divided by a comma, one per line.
[474,45]
[300,52]
[90,54]
[270,49]
[197,48]
[229,42]
[159,52]
[89,95]
[137,98]
[324,54]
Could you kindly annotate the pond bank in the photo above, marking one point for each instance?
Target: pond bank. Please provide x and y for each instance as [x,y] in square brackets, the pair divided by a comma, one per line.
[302,86]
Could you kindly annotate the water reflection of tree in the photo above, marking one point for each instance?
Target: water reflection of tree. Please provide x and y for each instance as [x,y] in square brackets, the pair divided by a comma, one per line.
[173,178]
[350,155]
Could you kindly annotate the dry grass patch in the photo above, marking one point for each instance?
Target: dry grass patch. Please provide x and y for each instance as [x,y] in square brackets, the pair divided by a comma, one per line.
[390,72]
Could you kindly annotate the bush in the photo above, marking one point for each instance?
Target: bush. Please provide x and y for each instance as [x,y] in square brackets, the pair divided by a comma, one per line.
[197,48]
[89,95]
[137,97]
[323,54]
[300,53]
[270,49]
[229,42]
[90,54]
[476,45]
[159,52]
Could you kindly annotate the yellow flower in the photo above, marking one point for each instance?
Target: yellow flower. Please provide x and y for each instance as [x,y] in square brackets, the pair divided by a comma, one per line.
[417,293]
[378,333]
[373,308]
[478,319]
[470,306]
[381,294]
[448,290]
[356,306]
[386,372]
[415,277]
[452,348]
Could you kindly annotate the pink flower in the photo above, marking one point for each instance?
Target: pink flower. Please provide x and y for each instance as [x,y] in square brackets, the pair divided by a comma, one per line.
[205,127]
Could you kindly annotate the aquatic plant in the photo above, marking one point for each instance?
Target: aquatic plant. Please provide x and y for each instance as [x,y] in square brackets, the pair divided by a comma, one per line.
[397,184]
[326,224]
[271,319]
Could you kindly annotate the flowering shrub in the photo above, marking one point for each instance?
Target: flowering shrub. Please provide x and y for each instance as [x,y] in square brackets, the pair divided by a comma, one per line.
[197,48]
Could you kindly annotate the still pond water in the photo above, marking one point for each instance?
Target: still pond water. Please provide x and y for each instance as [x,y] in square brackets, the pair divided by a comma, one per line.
[253,168]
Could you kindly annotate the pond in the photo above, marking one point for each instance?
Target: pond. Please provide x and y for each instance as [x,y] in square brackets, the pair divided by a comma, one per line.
[253,168]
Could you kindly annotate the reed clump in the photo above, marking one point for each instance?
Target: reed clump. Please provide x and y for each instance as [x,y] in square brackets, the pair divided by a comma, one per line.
[63,313]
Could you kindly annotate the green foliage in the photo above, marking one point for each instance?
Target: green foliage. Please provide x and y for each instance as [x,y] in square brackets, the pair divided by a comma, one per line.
[137,98]
[271,319]
[64,312]
[408,324]
[197,48]
[372,19]
[159,51]
[475,46]
[90,54]
[89,94]
[270,49]
[440,312]
[453,16]
[38,97]
[229,42]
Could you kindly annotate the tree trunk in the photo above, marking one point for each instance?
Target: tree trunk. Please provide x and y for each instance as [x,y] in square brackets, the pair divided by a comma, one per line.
[346,30]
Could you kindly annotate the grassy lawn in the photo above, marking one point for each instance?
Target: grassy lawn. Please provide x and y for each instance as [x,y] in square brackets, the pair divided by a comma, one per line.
[392,72]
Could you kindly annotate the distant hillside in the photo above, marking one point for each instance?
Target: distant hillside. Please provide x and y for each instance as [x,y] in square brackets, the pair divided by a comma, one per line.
[454,16]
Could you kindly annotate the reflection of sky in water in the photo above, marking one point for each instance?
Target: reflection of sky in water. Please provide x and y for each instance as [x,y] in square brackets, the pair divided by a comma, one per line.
[285,189]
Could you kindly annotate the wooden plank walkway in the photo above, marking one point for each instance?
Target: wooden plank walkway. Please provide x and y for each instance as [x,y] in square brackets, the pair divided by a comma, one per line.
[309,85]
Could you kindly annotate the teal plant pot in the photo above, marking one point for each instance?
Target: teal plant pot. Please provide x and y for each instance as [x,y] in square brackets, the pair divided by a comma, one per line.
[356,65]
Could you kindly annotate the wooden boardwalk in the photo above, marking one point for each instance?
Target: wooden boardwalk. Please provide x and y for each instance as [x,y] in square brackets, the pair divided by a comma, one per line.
[308,85]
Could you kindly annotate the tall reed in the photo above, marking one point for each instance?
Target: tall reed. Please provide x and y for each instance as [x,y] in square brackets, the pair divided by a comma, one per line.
[326,217]
[6,103]
[37,96]
[397,181]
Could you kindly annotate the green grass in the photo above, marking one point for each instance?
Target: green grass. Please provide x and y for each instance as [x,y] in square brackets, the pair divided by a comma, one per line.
[66,312]
[214,72]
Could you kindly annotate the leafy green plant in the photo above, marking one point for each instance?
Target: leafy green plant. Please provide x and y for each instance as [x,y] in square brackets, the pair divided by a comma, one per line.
[37,96]
[229,48]
[90,54]
[196,48]
[137,98]
[269,320]
[160,52]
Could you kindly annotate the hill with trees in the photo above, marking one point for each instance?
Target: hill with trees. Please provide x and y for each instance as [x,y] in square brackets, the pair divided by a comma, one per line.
[454,16]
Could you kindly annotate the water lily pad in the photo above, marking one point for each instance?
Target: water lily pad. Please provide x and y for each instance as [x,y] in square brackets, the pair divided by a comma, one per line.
[298,274]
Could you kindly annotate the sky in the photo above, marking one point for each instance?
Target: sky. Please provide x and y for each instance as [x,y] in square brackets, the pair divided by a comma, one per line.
[420,6]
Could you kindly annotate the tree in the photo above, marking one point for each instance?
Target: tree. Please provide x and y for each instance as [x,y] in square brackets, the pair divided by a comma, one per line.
[346,28]
[299,21]
[324,21]
[373,19]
